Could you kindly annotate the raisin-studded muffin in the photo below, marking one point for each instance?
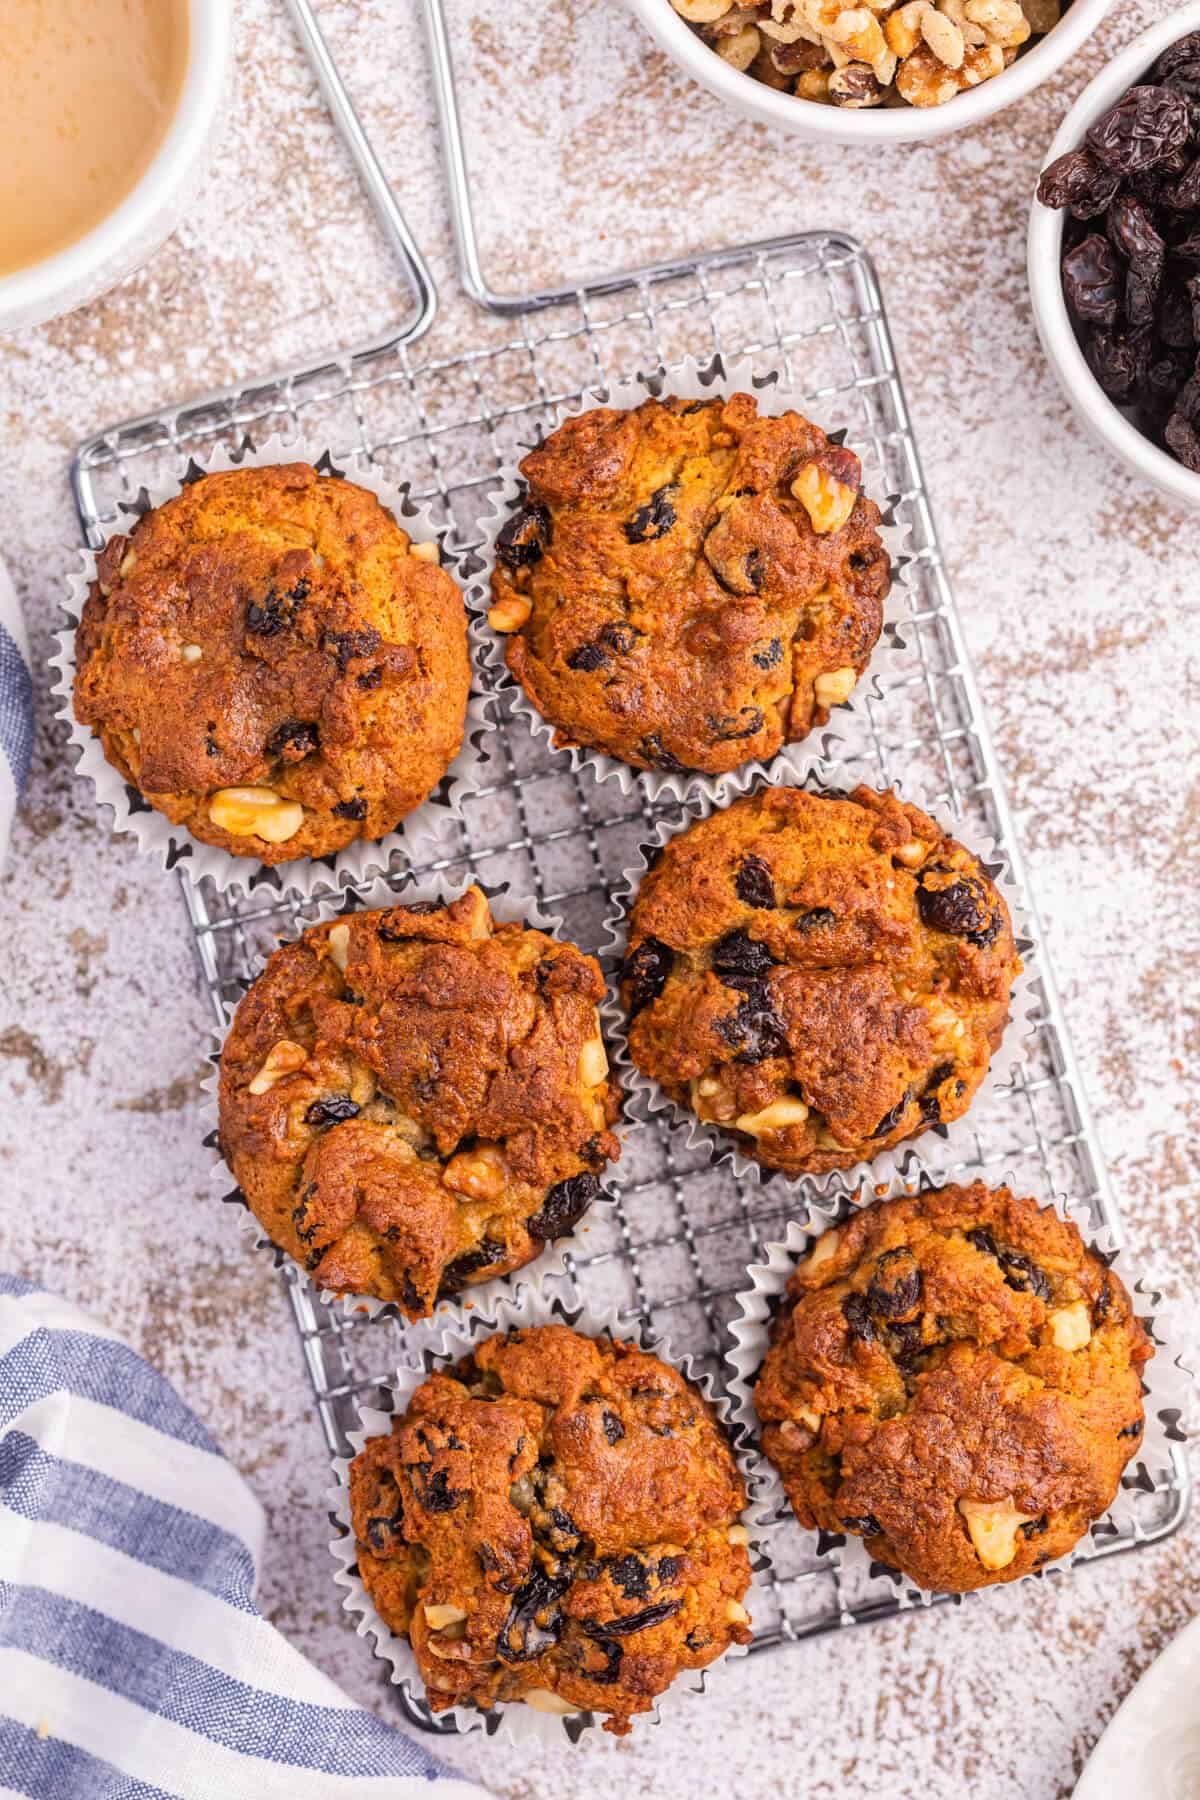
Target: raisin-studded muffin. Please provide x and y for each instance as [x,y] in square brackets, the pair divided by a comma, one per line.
[273,664]
[555,1520]
[417,1099]
[955,1378]
[821,975]
[687,585]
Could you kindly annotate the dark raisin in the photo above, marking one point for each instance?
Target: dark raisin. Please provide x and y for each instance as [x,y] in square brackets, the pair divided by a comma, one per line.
[344,646]
[645,971]
[618,638]
[753,883]
[371,678]
[1103,1302]
[565,1536]
[930,1105]
[856,1311]
[305,1231]
[738,954]
[588,657]
[667,1571]
[384,1530]
[815,918]
[434,1491]
[350,809]
[332,1111]
[696,1640]
[1175,324]
[630,1574]
[984,1241]
[276,611]
[1144,128]
[1183,441]
[1092,279]
[1074,180]
[612,1664]
[654,520]
[964,909]
[651,748]
[1034,1527]
[534,1621]
[1131,1431]
[1023,1274]
[896,1285]
[891,1119]
[732,726]
[640,1621]
[755,1031]
[770,656]
[905,1340]
[614,1431]
[522,540]
[865,1524]
[458,1273]
[565,1203]
[1113,360]
[293,740]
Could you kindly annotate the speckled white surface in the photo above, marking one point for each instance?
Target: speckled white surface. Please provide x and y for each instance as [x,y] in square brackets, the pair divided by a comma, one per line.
[1080,601]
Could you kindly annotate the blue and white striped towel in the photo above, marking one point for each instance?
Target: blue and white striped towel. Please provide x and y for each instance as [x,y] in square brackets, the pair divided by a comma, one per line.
[134,1664]
[16,708]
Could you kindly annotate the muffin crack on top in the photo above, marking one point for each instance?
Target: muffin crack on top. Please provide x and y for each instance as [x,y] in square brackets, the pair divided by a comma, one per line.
[418,1099]
[955,1377]
[687,585]
[554,1520]
[820,975]
[272,663]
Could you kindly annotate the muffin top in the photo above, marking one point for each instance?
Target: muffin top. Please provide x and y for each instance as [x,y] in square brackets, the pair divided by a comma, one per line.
[272,664]
[554,1520]
[687,585]
[821,975]
[417,1099]
[955,1378]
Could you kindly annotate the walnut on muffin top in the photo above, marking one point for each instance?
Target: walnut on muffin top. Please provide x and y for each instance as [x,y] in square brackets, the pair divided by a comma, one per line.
[271,662]
[956,1378]
[555,1520]
[418,1099]
[688,585]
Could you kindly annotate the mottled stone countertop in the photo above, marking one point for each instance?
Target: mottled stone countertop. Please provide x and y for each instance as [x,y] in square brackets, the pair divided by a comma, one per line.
[1080,600]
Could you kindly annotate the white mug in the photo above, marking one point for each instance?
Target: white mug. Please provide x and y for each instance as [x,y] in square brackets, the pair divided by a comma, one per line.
[151,210]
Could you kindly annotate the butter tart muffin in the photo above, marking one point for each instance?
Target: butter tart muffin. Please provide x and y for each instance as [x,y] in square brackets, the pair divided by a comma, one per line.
[821,975]
[272,664]
[418,1099]
[688,585]
[955,1378]
[554,1520]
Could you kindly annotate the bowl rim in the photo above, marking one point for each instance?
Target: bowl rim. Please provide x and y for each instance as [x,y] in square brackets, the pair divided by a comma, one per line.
[870,125]
[210,33]
[1045,283]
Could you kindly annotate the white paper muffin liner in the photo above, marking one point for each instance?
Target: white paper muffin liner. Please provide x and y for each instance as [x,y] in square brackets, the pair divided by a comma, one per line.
[418,837]
[934,1150]
[691,380]
[433,1346]
[552,1268]
[1167,1387]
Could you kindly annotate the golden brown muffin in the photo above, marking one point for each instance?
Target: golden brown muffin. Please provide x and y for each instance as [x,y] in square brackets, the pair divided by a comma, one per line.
[272,664]
[821,975]
[418,1099]
[555,1520]
[955,1378]
[689,586]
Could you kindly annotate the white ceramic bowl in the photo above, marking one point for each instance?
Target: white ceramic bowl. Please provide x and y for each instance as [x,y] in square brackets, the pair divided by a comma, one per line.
[873,125]
[152,209]
[1067,360]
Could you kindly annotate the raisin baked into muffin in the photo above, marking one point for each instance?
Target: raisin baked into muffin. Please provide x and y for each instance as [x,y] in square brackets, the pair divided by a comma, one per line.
[555,1520]
[273,664]
[417,1099]
[821,975]
[687,585]
[955,1378]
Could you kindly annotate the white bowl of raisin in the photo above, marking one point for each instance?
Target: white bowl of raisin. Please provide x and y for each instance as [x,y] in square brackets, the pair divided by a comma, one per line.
[870,71]
[1114,255]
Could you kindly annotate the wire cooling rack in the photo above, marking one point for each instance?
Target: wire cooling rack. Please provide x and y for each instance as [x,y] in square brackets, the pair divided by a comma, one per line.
[674,1247]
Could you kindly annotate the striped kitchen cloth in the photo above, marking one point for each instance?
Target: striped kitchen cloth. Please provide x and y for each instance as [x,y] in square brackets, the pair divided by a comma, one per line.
[134,1664]
[16,708]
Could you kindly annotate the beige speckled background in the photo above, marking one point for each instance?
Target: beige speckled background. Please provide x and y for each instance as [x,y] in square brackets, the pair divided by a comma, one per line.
[1079,594]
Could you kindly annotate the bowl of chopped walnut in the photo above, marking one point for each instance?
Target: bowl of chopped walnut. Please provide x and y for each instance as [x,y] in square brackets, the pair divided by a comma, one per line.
[1114,255]
[865,71]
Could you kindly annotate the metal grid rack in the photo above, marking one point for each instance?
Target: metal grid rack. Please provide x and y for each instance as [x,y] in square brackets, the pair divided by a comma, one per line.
[674,1247]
